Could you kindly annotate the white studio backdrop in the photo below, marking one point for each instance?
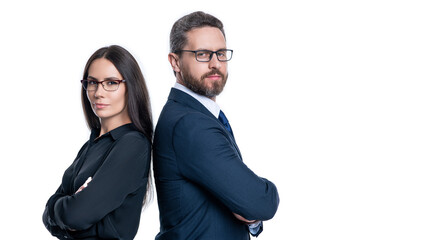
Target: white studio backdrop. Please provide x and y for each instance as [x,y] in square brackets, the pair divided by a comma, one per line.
[340,103]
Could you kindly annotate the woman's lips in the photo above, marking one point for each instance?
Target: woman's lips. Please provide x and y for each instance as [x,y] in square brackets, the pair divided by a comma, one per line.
[100,105]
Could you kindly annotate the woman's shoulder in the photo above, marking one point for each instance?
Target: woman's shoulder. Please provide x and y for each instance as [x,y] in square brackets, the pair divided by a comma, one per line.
[134,137]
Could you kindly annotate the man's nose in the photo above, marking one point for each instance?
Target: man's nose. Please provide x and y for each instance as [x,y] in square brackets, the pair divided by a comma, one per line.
[214,62]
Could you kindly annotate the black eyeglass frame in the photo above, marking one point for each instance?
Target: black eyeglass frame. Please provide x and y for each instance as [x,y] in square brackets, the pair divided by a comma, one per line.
[102,83]
[210,52]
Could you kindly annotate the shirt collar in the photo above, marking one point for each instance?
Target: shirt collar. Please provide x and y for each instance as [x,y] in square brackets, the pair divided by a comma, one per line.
[207,102]
[115,133]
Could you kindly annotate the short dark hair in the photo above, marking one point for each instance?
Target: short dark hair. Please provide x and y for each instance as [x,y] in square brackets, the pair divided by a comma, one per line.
[178,38]
[138,100]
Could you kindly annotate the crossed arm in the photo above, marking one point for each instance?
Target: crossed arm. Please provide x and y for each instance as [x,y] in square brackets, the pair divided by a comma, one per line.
[207,156]
[121,174]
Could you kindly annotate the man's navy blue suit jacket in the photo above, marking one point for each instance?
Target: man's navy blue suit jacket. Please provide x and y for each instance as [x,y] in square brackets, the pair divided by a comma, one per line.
[200,177]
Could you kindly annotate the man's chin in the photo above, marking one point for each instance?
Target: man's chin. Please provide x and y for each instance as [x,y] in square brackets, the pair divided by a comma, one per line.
[215,91]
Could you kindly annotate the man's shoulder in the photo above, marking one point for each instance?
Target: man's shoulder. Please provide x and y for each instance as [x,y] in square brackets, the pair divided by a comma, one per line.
[174,113]
[177,110]
[177,118]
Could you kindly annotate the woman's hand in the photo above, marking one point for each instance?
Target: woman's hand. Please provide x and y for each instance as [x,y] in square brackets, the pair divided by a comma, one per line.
[84,186]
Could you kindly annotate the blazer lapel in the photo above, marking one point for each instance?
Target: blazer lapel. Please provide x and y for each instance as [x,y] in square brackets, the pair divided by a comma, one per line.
[185,99]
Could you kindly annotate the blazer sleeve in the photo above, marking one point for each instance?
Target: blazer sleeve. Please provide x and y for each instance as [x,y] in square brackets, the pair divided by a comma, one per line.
[122,172]
[206,156]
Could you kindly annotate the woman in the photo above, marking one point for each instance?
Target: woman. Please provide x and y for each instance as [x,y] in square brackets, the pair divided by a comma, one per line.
[102,192]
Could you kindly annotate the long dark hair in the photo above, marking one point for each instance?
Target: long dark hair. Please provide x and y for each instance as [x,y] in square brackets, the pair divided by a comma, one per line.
[138,100]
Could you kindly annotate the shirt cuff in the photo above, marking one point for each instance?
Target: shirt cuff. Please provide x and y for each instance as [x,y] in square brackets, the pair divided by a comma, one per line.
[256,228]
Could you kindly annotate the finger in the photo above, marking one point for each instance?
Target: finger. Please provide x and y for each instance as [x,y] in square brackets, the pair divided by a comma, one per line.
[88,180]
[80,189]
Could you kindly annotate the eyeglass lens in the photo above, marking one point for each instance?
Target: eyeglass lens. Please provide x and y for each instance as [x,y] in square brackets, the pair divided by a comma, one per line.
[206,55]
[92,85]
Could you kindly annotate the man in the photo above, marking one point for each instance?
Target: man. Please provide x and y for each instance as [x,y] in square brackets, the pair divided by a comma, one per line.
[204,189]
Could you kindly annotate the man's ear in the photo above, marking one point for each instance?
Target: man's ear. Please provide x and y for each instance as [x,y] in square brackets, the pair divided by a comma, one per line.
[174,60]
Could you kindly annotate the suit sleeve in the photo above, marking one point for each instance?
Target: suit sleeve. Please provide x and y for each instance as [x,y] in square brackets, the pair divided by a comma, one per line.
[122,172]
[206,156]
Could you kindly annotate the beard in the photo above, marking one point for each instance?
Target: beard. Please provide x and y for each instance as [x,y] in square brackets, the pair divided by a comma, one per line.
[199,86]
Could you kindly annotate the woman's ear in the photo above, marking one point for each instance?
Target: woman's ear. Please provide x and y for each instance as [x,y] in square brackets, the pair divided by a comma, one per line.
[174,62]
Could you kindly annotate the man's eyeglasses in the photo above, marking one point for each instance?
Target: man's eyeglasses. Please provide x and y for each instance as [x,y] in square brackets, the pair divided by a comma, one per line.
[223,55]
[108,85]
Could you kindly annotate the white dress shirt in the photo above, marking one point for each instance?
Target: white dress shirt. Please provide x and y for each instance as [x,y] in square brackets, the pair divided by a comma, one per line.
[208,103]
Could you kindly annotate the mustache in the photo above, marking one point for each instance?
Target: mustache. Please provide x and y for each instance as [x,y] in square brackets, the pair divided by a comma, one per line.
[213,72]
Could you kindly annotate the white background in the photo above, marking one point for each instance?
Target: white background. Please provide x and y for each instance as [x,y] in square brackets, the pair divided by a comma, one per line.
[340,103]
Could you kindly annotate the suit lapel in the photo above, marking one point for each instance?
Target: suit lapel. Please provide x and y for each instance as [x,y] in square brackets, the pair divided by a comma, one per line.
[187,100]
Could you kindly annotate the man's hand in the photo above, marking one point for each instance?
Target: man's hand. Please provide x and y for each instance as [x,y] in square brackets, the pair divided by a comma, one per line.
[243,219]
